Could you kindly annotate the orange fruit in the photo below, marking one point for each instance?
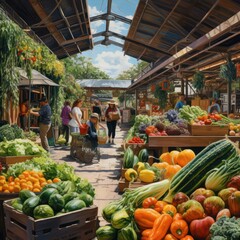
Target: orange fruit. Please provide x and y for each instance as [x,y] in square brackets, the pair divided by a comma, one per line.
[36,185]
[16,179]
[55,180]
[21,176]
[35,175]
[10,188]
[17,188]
[5,187]
[2,182]
[42,179]
[1,188]
[2,177]
[11,184]
[26,174]
[11,179]
[49,181]
[23,181]
[24,185]
[40,174]
[43,184]
[6,191]
[36,190]
[29,183]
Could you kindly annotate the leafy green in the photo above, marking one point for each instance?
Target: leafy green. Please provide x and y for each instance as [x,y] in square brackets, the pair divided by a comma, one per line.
[20,147]
[83,185]
[226,228]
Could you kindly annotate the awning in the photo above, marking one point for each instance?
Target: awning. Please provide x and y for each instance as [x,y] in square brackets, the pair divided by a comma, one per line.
[37,79]
[104,84]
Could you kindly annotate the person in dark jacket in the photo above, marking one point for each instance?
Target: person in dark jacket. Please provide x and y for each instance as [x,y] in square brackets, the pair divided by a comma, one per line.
[97,109]
[92,130]
[44,115]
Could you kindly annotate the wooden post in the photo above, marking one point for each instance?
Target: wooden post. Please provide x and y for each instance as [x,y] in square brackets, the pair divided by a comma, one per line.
[136,103]
[229,92]
[186,87]
[124,102]
[182,86]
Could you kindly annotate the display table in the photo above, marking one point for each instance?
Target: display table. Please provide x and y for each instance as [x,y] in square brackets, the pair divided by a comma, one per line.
[184,141]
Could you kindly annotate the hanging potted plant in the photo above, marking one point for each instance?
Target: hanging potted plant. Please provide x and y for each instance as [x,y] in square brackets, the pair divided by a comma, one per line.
[198,81]
[162,96]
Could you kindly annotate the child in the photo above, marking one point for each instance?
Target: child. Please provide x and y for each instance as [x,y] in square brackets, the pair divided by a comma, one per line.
[93,123]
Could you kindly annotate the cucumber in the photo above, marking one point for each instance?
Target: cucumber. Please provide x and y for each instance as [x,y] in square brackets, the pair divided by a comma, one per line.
[194,174]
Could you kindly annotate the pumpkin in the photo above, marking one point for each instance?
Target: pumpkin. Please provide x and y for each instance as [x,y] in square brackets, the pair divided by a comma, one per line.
[174,155]
[184,157]
[161,165]
[166,157]
[170,237]
[171,170]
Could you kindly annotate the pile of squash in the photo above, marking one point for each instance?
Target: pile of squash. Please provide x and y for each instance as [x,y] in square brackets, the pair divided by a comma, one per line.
[170,163]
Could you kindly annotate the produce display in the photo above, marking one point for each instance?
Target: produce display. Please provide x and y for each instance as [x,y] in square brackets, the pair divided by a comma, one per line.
[54,199]
[34,174]
[201,201]
[21,147]
[8,132]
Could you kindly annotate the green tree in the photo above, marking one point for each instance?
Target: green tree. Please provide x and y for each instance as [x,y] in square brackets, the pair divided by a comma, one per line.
[82,68]
[133,71]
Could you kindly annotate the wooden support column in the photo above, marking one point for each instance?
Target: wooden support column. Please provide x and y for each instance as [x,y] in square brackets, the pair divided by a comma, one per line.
[182,86]
[229,93]
[136,102]
[124,102]
[186,88]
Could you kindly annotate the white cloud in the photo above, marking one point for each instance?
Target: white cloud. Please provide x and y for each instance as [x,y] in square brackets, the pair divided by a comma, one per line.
[113,63]
[93,11]
[129,17]
[117,26]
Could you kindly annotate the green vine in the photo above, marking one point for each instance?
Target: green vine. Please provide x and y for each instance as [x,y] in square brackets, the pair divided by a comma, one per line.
[10,34]
[161,95]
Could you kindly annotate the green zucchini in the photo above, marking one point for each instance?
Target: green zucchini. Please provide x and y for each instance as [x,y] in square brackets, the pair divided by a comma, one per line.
[128,158]
[193,175]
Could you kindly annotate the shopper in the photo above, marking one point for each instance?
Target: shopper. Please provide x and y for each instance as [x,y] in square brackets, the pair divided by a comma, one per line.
[93,124]
[181,102]
[76,114]
[97,109]
[44,115]
[112,115]
[66,117]
[23,108]
[214,107]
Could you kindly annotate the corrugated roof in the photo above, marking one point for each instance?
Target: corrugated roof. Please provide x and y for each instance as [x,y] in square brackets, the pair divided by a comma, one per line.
[37,79]
[64,26]
[104,83]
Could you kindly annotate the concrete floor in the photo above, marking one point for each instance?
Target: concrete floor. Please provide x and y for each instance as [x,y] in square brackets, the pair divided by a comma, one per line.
[103,175]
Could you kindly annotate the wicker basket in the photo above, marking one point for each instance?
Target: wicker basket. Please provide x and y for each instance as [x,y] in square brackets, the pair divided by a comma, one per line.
[102,139]
[85,155]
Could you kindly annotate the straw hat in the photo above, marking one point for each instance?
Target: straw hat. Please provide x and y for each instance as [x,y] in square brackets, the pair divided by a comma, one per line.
[94,115]
[112,102]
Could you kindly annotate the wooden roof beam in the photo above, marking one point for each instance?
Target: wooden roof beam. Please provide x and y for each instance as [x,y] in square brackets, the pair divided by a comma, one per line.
[160,28]
[202,41]
[199,23]
[50,26]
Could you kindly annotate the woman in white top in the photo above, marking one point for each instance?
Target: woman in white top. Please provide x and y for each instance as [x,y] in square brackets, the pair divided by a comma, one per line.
[76,114]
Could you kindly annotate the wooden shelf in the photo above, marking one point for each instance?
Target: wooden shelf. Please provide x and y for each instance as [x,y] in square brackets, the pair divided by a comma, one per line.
[185,141]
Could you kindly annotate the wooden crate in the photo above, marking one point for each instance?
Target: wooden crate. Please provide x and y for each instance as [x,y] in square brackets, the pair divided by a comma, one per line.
[77,225]
[195,102]
[208,130]
[136,147]
[124,184]
[204,104]
[8,160]
[4,197]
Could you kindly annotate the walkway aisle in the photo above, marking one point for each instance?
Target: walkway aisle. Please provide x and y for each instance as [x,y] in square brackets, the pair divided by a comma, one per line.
[103,175]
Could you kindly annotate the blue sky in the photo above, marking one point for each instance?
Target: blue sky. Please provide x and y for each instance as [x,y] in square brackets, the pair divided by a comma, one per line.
[111,58]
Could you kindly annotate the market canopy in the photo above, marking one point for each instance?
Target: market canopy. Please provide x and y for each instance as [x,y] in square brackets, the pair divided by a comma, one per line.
[63,26]
[182,35]
[37,79]
[104,84]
